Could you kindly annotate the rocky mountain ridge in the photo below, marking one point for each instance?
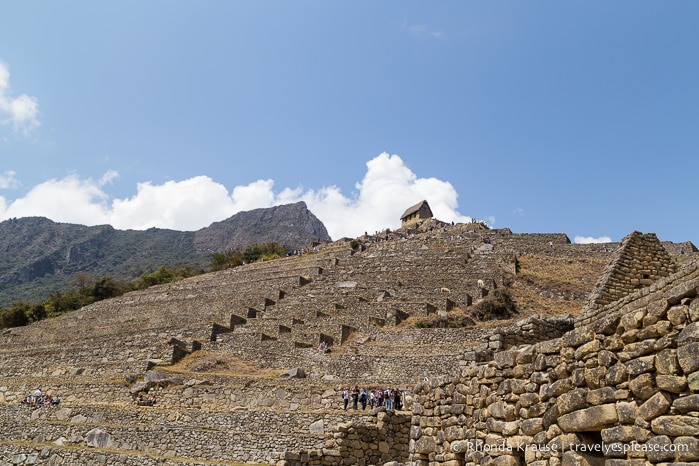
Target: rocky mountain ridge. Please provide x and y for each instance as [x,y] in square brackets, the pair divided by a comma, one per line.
[39,256]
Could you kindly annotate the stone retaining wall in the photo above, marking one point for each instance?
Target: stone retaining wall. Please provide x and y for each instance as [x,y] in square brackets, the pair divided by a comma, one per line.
[375,439]
[640,261]
[250,436]
[625,385]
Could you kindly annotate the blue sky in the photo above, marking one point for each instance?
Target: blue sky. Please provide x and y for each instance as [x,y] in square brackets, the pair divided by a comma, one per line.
[573,117]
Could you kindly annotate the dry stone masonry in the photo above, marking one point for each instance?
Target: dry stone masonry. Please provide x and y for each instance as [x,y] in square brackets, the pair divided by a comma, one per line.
[620,391]
[540,390]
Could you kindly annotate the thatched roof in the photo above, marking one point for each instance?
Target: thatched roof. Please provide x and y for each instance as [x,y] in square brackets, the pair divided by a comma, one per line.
[416,208]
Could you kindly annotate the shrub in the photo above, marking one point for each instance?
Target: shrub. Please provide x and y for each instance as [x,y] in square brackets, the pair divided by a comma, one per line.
[500,306]
[225,260]
[14,317]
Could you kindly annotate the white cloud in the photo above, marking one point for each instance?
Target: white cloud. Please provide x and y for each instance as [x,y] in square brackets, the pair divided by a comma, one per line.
[420,30]
[70,200]
[253,196]
[8,181]
[108,177]
[591,240]
[387,189]
[179,205]
[22,113]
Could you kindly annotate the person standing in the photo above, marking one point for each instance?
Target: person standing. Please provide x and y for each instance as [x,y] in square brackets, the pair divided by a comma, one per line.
[388,398]
[355,397]
[345,397]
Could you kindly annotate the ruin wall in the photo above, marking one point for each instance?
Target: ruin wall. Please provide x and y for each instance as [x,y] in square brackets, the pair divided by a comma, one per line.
[621,390]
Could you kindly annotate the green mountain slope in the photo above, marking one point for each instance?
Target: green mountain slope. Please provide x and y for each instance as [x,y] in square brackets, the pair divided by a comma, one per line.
[39,256]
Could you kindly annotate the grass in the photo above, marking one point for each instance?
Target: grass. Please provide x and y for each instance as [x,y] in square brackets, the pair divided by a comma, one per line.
[551,286]
[544,285]
[207,362]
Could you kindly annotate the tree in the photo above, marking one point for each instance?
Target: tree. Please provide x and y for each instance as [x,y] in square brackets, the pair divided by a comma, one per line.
[160,276]
[59,303]
[83,281]
[38,312]
[16,316]
[107,287]
[265,251]
[226,259]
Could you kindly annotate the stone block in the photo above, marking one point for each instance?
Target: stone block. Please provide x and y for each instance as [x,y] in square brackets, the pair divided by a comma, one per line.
[572,401]
[425,444]
[688,357]
[620,462]
[506,460]
[550,416]
[532,426]
[616,434]
[606,325]
[601,396]
[593,418]
[677,315]
[686,449]
[640,348]
[595,377]
[643,386]
[632,320]
[640,365]
[505,358]
[578,337]
[666,362]
[616,374]
[586,349]
[659,449]
[559,387]
[627,412]
[675,426]
[655,406]
[99,439]
[671,383]
[502,410]
[686,404]
[690,334]
[317,427]
[693,381]
[526,355]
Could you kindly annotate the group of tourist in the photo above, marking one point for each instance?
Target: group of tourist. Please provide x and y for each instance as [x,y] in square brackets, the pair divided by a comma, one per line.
[38,399]
[391,399]
[323,347]
[387,236]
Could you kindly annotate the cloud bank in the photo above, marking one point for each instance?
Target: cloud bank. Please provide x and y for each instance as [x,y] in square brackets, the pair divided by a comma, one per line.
[21,113]
[387,189]
[591,240]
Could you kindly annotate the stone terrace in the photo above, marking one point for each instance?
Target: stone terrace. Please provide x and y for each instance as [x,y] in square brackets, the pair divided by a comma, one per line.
[273,315]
